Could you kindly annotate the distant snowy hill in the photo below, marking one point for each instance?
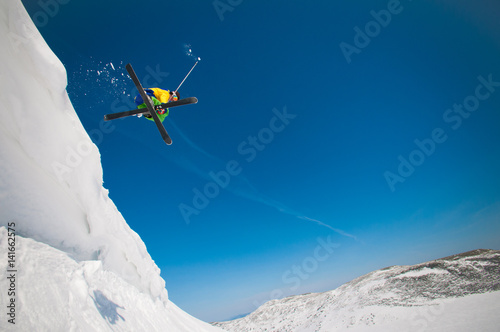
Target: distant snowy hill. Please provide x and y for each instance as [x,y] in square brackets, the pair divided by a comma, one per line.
[457,293]
[74,264]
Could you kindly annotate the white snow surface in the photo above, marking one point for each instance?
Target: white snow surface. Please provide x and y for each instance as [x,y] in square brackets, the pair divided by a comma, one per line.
[79,265]
[457,293]
[54,292]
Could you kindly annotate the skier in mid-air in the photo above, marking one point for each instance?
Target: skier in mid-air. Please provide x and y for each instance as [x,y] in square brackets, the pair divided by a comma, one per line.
[161,99]
[158,96]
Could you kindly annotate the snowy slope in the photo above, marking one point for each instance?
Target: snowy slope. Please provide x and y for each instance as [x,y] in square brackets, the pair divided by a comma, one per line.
[57,293]
[75,254]
[458,293]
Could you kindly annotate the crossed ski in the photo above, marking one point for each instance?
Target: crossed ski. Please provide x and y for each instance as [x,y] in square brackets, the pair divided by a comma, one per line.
[180,102]
[150,107]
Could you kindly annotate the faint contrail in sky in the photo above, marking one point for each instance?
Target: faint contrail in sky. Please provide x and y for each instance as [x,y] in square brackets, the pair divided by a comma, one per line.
[245,189]
[255,196]
[191,143]
[339,231]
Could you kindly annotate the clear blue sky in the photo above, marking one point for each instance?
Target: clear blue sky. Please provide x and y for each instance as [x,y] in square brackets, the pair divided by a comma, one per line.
[345,137]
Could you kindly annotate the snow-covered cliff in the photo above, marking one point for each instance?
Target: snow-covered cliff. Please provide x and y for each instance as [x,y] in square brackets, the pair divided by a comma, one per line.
[77,264]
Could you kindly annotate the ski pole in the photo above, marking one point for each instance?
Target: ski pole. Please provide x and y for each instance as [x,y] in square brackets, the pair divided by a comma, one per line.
[175,92]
